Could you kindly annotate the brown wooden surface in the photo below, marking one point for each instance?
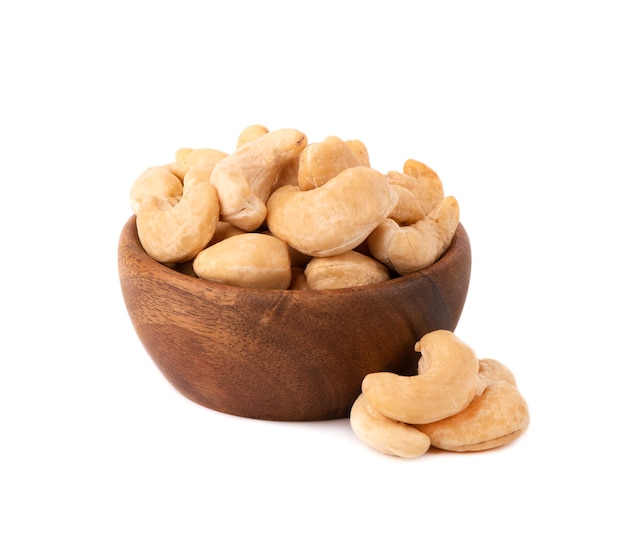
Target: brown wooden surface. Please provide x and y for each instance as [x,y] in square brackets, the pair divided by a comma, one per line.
[279,354]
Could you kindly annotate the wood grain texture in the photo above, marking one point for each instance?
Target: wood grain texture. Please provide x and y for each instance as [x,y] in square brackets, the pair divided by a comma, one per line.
[291,355]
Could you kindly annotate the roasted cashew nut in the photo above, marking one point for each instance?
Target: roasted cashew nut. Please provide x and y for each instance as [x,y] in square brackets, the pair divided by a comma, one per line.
[384,434]
[445,384]
[497,416]
[174,231]
[245,178]
[407,249]
[333,218]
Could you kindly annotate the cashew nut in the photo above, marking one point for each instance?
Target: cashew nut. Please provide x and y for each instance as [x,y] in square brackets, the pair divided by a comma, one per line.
[491,371]
[321,161]
[497,416]
[198,164]
[198,157]
[288,173]
[384,434]
[359,150]
[427,192]
[250,260]
[344,270]
[172,230]
[223,230]
[333,218]
[410,248]
[155,181]
[408,210]
[245,178]
[445,383]
[250,133]
[427,179]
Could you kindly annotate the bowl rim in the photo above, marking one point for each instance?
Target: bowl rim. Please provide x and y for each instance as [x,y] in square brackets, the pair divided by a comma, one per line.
[129,241]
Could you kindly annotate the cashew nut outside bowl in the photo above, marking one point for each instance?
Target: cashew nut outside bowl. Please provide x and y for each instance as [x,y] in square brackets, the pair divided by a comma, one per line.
[384,434]
[445,384]
[498,415]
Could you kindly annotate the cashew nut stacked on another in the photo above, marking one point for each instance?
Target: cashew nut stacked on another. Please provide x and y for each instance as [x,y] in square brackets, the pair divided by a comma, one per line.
[342,222]
[456,402]
[415,237]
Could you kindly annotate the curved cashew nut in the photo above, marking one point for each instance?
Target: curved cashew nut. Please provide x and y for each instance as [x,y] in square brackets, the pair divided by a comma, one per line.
[445,384]
[250,133]
[155,181]
[333,218]
[359,150]
[321,161]
[289,172]
[427,179]
[410,248]
[197,164]
[250,260]
[491,371]
[344,270]
[497,416]
[408,210]
[245,178]
[174,231]
[384,434]
[427,192]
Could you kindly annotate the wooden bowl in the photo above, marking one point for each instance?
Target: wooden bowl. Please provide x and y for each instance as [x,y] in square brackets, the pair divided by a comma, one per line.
[289,355]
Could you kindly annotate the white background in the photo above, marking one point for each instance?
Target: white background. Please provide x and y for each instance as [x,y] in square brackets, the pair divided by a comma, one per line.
[520,109]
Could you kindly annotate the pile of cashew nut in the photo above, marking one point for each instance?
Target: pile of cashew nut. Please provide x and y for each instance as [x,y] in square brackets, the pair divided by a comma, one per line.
[455,402]
[278,212]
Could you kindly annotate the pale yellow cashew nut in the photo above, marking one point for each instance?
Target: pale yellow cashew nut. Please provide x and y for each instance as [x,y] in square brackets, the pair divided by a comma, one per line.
[344,270]
[245,178]
[426,177]
[198,164]
[498,415]
[491,371]
[174,231]
[427,192]
[333,218]
[360,151]
[408,210]
[190,157]
[250,133]
[384,434]
[410,248]
[445,383]
[250,260]
[224,230]
[155,181]
[321,161]
[289,172]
